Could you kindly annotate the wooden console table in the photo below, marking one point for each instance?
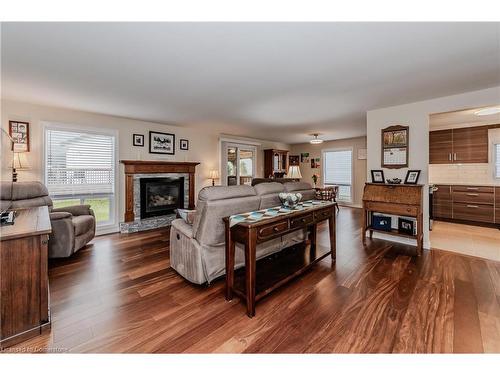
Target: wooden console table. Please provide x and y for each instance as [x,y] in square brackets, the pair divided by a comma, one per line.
[24,284]
[400,200]
[252,233]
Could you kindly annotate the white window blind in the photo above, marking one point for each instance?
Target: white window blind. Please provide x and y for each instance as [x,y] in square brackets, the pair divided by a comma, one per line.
[79,162]
[337,170]
[497,160]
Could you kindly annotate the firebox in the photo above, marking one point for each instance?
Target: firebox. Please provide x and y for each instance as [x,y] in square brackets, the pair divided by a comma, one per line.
[161,196]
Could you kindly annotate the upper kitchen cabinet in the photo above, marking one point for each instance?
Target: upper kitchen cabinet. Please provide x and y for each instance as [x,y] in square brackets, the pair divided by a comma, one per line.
[441,147]
[470,145]
[464,145]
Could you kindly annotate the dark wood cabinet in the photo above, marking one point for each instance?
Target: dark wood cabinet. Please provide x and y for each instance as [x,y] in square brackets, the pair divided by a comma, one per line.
[442,202]
[479,204]
[470,145]
[441,147]
[24,293]
[464,145]
[275,163]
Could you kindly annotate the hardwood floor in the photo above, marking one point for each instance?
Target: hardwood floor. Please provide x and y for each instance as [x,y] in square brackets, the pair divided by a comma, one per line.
[119,295]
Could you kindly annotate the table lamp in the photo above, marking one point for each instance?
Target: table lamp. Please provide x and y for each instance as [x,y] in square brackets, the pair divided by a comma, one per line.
[214,175]
[294,172]
[19,163]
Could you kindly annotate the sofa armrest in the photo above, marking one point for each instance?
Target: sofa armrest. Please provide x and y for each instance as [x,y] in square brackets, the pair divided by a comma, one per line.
[59,215]
[82,209]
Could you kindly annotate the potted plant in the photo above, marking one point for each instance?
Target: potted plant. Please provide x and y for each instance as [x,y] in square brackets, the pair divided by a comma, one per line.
[315,179]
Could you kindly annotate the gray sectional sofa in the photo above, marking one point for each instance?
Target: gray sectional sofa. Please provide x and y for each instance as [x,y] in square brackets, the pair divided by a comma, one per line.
[197,251]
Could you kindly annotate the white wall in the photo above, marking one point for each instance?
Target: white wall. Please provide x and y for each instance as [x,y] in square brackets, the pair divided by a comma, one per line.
[203,143]
[416,116]
[315,151]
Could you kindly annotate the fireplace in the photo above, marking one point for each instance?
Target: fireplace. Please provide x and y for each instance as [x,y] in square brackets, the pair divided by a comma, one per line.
[161,196]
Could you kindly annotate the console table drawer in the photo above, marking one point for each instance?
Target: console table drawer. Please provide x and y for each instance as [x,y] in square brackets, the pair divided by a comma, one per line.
[392,208]
[272,229]
[474,189]
[323,214]
[301,221]
[473,197]
[473,212]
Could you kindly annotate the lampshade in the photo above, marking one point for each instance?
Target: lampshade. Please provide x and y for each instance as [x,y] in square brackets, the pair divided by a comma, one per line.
[214,174]
[20,161]
[294,172]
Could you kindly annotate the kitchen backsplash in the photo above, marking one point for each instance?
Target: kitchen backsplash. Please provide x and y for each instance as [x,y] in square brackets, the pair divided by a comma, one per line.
[461,174]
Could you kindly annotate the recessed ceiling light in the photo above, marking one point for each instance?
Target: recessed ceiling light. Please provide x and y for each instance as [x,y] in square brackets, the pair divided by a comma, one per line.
[487,111]
[316,140]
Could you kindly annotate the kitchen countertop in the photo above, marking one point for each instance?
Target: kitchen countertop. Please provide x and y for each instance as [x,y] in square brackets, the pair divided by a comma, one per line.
[493,184]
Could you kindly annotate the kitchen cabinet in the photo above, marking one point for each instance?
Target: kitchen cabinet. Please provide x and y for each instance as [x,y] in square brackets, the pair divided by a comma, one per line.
[456,146]
[470,145]
[442,202]
[441,147]
[469,203]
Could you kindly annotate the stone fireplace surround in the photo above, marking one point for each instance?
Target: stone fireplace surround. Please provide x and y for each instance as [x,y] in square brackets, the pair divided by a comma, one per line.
[137,169]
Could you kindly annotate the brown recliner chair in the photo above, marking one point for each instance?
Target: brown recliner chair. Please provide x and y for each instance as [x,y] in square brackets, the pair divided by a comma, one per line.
[72,227]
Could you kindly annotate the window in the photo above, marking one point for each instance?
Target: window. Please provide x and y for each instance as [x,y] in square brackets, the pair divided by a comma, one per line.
[80,169]
[337,170]
[496,152]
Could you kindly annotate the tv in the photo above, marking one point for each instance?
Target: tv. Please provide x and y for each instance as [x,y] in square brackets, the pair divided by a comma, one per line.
[6,184]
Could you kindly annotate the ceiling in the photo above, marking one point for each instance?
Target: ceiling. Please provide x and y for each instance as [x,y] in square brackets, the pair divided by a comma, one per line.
[463,118]
[277,81]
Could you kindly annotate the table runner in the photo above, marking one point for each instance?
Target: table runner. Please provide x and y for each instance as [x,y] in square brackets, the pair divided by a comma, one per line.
[255,216]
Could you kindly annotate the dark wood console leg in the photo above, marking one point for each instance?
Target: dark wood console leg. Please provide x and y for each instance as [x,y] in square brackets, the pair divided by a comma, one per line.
[313,231]
[230,249]
[333,239]
[250,251]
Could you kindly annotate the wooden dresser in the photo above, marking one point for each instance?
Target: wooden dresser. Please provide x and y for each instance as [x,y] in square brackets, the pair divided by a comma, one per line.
[24,288]
[399,200]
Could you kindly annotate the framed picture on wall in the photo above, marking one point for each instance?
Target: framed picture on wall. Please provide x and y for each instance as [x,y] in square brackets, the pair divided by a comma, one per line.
[138,140]
[184,144]
[294,160]
[161,143]
[395,146]
[20,133]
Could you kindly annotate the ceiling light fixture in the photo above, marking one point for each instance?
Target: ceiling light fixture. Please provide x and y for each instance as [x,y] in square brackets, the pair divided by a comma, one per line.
[316,140]
[487,111]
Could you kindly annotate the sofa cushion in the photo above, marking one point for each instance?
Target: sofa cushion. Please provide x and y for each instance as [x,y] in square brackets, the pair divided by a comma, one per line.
[213,193]
[269,188]
[208,227]
[296,186]
[83,224]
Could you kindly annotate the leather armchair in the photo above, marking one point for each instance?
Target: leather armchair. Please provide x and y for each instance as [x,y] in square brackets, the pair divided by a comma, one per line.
[72,227]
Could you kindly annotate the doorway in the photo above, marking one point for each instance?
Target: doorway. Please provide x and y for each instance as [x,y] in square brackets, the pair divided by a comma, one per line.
[238,163]
[464,182]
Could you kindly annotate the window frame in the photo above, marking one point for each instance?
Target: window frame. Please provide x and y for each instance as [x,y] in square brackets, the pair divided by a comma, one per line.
[106,227]
[323,167]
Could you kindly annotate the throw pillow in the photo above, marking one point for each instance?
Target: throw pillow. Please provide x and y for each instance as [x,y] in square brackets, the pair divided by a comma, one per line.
[187,215]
